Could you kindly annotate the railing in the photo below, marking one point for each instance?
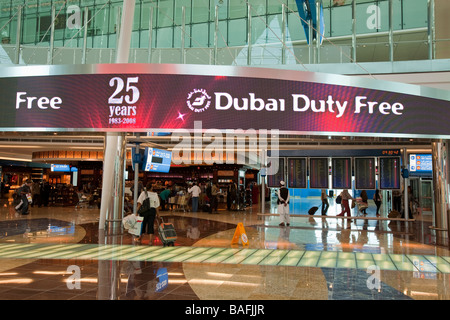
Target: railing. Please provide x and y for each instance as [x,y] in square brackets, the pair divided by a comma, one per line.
[277,49]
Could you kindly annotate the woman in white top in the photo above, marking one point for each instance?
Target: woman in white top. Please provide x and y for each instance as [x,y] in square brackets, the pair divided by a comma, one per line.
[149,216]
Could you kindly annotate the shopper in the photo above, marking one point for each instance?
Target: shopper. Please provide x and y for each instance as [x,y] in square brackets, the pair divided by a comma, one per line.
[283,204]
[194,191]
[411,202]
[164,195]
[325,204]
[36,194]
[214,197]
[397,200]
[45,192]
[377,198]
[24,194]
[364,202]
[149,216]
[345,203]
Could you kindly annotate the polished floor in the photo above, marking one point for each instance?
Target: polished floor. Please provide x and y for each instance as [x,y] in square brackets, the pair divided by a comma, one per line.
[58,253]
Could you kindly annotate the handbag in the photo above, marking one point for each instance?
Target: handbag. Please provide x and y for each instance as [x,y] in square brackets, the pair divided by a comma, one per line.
[145,207]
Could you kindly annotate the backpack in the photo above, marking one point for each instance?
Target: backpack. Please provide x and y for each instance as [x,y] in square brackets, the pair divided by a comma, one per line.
[338,199]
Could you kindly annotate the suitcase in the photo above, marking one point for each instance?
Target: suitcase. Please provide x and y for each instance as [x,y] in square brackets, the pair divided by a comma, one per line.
[313,210]
[167,232]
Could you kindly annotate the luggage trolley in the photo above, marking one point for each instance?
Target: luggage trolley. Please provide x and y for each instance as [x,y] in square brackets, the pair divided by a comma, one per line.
[183,203]
[166,232]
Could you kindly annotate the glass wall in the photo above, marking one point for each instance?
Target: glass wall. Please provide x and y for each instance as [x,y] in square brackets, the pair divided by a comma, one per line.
[196,28]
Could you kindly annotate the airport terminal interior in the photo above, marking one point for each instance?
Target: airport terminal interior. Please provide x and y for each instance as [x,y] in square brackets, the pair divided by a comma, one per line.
[320,257]
[240,251]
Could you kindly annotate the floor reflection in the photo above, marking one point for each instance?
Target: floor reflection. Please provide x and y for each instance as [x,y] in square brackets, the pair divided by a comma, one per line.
[332,258]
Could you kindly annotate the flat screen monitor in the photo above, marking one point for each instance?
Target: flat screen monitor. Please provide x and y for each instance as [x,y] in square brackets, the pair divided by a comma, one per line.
[318,173]
[365,174]
[157,160]
[297,174]
[341,173]
[390,172]
[274,178]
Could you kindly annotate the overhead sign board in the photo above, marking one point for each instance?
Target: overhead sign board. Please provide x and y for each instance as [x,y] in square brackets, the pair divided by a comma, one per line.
[419,163]
[138,97]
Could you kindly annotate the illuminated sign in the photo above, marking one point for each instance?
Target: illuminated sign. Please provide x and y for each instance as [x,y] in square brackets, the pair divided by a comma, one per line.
[62,168]
[156,160]
[297,173]
[163,279]
[390,172]
[139,97]
[318,173]
[341,173]
[365,176]
[420,163]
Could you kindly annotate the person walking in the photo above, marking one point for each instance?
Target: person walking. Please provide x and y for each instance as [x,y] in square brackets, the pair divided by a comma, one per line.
[377,198]
[345,203]
[214,197]
[283,204]
[195,191]
[24,193]
[149,216]
[364,201]
[325,203]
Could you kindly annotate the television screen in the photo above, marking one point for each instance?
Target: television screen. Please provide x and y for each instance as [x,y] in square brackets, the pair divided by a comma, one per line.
[318,173]
[365,175]
[390,172]
[157,160]
[341,173]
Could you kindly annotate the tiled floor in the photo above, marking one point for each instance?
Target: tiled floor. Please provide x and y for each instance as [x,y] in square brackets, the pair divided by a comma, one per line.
[57,253]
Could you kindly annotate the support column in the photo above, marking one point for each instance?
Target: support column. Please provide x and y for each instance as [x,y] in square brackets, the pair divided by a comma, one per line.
[441,180]
[318,31]
[405,190]
[391,31]
[18,35]
[150,36]
[354,31]
[52,37]
[113,190]
[283,33]
[441,29]
[86,22]
[249,35]
[111,210]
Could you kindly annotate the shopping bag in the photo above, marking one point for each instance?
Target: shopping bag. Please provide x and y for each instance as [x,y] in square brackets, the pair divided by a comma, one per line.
[129,221]
[136,229]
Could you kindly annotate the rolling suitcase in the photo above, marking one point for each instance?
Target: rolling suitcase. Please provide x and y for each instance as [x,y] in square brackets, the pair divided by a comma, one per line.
[167,232]
[313,210]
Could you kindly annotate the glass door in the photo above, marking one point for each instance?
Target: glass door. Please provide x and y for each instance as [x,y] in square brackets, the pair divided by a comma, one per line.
[426,201]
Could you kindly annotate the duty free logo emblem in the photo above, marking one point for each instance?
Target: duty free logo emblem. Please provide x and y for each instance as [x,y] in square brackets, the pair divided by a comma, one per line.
[198,100]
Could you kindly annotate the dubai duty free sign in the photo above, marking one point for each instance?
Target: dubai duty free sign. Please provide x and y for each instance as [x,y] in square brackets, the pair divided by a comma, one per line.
[138,97]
